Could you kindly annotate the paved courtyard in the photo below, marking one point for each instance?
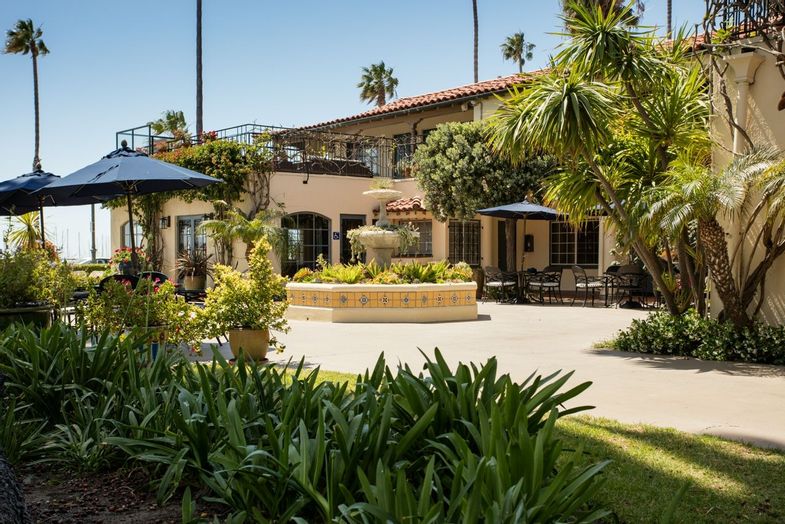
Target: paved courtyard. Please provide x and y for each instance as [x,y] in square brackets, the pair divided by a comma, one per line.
[739,401]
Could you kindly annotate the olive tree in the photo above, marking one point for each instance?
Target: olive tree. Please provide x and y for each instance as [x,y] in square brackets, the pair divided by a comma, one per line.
[460,174]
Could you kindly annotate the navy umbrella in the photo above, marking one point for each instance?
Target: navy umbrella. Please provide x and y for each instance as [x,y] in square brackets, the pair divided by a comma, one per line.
[124,172]
[525,210]
[20,195]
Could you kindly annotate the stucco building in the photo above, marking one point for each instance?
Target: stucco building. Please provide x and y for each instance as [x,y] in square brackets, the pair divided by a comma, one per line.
[325,167]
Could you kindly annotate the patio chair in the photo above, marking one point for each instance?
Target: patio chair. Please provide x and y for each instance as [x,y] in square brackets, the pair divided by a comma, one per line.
[155,276]
[547,282]
[586,284]
[500,286]
[629,283]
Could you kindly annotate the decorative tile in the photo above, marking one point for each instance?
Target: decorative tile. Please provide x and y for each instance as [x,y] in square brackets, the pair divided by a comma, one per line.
[408,299]
[327,299]
[439,300]
[454,299]
[363,300]
[384,300]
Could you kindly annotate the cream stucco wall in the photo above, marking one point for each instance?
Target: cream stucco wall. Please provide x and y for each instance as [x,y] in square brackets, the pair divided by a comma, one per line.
[766,127]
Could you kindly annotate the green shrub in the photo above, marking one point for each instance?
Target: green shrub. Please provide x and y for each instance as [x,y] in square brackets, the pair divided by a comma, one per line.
[441,445]
[693,336]
[412,272]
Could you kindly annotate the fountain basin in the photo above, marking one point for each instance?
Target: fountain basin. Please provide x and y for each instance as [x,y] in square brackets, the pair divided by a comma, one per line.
[380,239]
[416,303]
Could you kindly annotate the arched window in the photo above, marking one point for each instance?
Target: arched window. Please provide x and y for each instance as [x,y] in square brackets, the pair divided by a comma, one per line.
[126,236]
[308,236]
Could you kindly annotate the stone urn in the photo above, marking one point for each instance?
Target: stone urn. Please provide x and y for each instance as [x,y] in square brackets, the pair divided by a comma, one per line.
[379,245]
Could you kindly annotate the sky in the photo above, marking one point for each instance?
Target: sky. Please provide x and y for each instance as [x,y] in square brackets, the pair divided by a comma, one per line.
[115,65]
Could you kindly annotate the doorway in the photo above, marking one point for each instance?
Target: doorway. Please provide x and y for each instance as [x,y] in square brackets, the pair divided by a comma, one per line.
[349,222]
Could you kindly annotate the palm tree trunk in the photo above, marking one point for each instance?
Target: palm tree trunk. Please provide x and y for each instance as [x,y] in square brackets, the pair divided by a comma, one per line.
[199,122]
[713,237]
[381,99]
[520,65]
[36,158]
[476,39]
[670,17]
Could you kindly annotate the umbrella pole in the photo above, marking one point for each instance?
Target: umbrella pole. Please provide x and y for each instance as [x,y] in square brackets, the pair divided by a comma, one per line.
[134,257]
[523,258]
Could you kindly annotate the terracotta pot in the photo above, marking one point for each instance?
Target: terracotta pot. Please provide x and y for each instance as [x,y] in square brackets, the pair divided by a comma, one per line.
[254,343]
[194,283]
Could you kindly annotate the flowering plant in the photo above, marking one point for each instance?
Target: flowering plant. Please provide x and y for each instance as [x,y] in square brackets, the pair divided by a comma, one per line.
[123,255]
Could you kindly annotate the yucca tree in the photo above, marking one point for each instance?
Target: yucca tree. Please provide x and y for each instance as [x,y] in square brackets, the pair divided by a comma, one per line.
[26,232]
[613,126]
[377,84]
[517,49]
[25,39]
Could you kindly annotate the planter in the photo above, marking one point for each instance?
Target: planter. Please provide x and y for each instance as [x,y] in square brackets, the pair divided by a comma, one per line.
[254,343]
[39,316]
[194,283]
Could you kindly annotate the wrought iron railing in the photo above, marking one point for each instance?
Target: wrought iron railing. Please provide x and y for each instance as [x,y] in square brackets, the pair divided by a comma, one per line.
[744,18]
[298,150]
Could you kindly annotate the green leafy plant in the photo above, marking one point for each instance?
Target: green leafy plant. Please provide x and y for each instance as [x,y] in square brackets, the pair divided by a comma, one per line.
[194,263]
[247,301]
[27,277]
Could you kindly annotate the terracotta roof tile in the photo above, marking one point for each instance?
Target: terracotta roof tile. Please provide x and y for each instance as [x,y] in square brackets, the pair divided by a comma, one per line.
[406,204]
[486,87]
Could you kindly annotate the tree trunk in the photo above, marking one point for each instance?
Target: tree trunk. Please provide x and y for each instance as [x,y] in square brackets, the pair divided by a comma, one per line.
[713,237]
[510,226]
[36,158]
[476,42]
[199,109]
[670,18]
[381,99]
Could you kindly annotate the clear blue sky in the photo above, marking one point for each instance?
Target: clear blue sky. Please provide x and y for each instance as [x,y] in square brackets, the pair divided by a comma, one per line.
[115,65]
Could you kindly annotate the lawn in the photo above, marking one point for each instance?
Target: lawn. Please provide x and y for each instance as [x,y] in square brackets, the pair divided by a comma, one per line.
[729,481]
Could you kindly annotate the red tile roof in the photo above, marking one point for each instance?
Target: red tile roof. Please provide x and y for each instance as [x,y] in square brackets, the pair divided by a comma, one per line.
[406,204]
[486,87]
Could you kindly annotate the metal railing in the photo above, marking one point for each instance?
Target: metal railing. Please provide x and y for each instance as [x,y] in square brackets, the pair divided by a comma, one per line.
[744,18]
[295,150]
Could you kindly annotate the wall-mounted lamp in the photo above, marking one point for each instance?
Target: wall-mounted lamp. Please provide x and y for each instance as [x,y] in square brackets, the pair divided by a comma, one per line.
[166,222]
[208,216]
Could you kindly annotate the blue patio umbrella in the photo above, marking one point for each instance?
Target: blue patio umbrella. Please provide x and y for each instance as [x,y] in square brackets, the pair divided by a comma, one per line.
[124,172]
[17,194]
[525,210]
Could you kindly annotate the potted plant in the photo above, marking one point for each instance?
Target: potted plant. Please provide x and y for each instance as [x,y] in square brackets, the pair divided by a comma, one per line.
[31,286]
[194,266]
[122,261]
[247,306]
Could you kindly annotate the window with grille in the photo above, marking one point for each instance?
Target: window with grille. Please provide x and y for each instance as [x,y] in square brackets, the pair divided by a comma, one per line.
[138,237]
[464,241]
[575,246]
[308,236]
[424,246]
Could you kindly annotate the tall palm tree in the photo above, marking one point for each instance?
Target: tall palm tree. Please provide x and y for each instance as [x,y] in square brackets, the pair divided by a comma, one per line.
[24,38]
[377,84]
[199,98]
[476,42]
[517,49]
[669,17]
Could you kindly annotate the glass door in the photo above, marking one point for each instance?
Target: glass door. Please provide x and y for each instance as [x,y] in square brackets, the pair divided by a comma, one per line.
[189,237]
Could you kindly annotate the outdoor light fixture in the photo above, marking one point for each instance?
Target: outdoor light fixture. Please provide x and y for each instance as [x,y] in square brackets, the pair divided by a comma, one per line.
[166,222]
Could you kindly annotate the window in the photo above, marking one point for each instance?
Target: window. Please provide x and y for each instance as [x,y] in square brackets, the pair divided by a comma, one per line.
[190,237]
[464,241]
[308,236]
[424,246]
[404,149]
[138,238]
[571,246]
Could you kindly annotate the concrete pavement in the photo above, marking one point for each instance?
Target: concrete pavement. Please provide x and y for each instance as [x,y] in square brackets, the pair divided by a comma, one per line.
[740,401]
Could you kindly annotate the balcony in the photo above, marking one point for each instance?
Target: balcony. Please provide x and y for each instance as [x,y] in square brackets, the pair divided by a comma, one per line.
[298,150]
[744,18]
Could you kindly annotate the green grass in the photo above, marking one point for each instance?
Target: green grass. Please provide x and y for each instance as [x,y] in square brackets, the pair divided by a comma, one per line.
[729,481]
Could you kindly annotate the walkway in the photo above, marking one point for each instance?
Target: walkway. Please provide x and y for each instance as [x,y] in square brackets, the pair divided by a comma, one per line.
[738,401]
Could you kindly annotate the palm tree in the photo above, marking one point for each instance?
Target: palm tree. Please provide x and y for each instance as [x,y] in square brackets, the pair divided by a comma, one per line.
[25,39]
[172,122]
[696,194]
[199,123]
[517,49]
[26,235]
[237,225]
[476,42]
[377,84]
